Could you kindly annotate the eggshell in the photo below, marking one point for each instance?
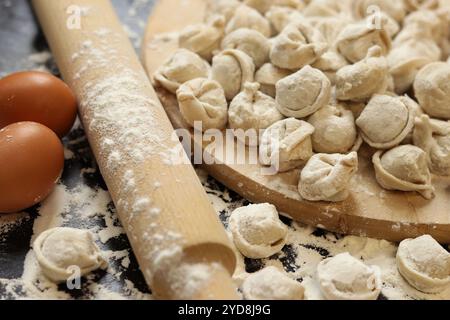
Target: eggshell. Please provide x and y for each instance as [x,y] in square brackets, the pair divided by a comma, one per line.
[32,159]
[38,97]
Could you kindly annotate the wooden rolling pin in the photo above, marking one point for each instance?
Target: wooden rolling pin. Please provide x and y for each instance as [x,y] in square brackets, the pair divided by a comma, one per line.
[180,244]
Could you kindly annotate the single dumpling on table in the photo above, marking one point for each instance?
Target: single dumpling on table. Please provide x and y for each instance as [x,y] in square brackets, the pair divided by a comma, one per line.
[424,263]
[257,230]
[344,277]
[271,283]
[286,144]
[303,93]
[404,168]
[326,177]
[203,100]
[183,65]
[252,111]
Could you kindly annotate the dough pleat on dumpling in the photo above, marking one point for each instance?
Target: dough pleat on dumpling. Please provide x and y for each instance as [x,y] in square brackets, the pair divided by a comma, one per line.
[303,93]
[58,250]
[432,89]
[281,16]
[356,39]
[286,144]
[326,177]
[203,39]
[225,8]
[252,42]
[298,45]
[253,110]
[268,76]
[247,17]
[257,230]
[360,81]
[424,263]
[203,100]
[271,283]
[232,69]
[335,130]
[404,168]
[433,137]
[386,121]
[344,277]
[183,66]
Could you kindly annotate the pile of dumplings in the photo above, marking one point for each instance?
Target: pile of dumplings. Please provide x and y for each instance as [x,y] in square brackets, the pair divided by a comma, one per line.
[320,78]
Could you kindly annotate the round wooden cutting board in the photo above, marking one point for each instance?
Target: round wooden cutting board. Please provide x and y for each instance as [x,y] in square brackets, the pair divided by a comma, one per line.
[370,211]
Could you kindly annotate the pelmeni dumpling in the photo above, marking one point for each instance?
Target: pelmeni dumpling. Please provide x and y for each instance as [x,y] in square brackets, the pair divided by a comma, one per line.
[281,16]
[232,69]
[271,283]
[432,89]
[257,230]
[433,137]
[268,76]
[364,8]
[326,177]
[330,63]
[414,5]
[325,8]
[286,144]
[424,263]
[360,81]
[183,66]
[225,8]
[303,93]
[59,250]
[386,120]
[404,168]
[298,45]
[356,39]
[253,110]
[247,17]
[335,130]
[252,42]
[344,277]
[203,100]
[409,56]
[261,5]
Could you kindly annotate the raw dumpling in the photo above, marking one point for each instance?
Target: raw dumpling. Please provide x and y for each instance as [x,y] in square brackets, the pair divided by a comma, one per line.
[363,8]
[414,5]
[356,39]
[225,8]
[344,277]
[325,8]
[271,284]
[386,121]
[303,93]
[335,130]
[424,263]
[279,17]
[203,39]
[246,17]
[326,177]
[183,66]
[252,42]
[232,69]
[432,89]
[261,5]
[253,110]
[404,168]
[360,81]
[414,48]
[257,230]
[433,137]
[286,144]
[298,45]
[268,76]
[203,100]
[330,63]
[59,250]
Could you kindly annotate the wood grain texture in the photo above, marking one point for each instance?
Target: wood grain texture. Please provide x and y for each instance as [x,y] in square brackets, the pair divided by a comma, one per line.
[369,211]
[185,207]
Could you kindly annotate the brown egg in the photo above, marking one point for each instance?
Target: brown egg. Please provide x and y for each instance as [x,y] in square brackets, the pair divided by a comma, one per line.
[31,162]
[38,97]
